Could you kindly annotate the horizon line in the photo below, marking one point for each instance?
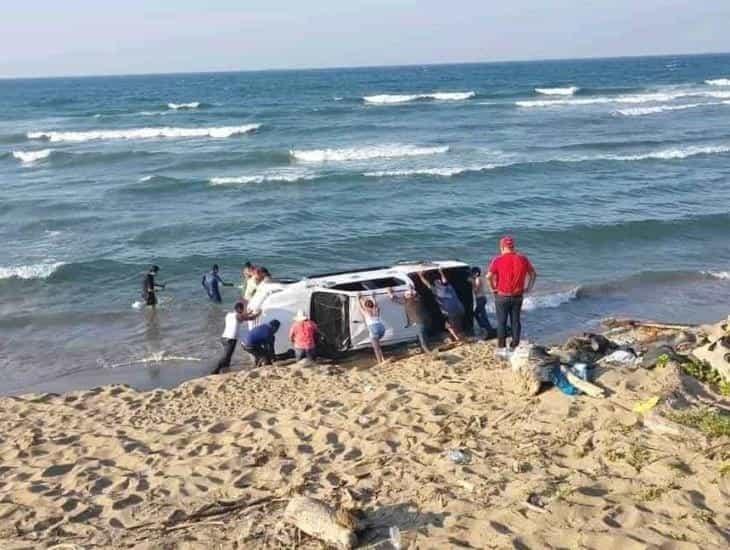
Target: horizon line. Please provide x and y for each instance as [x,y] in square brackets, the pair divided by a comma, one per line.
[356,67]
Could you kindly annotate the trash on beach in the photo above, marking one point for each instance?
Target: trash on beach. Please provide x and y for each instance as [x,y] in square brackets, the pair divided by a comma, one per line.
[364,420]
[318,520]
[619,357]
[643,407]
[580,370]
[560,381]
[458,456]
[394,535]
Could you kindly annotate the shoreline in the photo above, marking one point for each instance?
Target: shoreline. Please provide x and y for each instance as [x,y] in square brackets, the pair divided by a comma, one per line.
[115,467]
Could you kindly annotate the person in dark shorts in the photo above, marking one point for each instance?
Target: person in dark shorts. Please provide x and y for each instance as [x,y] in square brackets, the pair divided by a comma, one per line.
[449,304]
[479,287]
[212,282]
[510,276]
[259,342]
[149,287]
[232,333]
[415,313]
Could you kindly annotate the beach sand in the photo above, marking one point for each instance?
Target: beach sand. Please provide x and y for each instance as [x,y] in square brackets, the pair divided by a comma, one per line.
[212,463]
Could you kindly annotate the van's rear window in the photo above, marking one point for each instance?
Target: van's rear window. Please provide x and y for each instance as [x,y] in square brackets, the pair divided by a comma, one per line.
[369,284]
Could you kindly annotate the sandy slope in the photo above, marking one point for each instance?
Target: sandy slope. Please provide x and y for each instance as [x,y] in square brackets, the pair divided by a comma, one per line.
[116,468]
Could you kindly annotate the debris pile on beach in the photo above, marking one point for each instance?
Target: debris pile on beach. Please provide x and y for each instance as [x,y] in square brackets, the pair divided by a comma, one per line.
[424,451]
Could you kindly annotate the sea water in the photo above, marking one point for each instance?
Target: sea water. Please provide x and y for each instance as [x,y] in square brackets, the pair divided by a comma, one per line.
[613,175]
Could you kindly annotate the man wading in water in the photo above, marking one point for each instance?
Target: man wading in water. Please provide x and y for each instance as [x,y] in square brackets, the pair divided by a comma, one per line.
[232,334]
[149,294]
[507,275]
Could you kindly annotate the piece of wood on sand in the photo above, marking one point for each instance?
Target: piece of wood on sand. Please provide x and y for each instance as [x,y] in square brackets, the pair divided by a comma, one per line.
[322,522]
[583,385]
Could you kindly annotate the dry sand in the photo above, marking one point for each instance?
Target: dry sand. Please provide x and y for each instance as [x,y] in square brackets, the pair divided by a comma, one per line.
[212,463]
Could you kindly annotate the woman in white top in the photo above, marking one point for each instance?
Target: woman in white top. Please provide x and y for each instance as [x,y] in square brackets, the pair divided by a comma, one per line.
[371,315]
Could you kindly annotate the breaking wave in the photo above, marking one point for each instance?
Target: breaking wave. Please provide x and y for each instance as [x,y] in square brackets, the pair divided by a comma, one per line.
[657,97]
[33,271]
[718,274]
[557,91]
[673,154]
[179,106]
[145,133]
[641,111]
[29,157]
[441,172]
[261,178]
[555,299]
[718,82]
[365,153]
[392,99]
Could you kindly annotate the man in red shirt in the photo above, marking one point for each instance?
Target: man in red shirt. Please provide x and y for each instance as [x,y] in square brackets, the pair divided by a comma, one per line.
[507,276]
[303,334]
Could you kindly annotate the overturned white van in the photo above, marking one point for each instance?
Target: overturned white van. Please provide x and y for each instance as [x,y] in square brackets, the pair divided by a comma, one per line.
[331,301]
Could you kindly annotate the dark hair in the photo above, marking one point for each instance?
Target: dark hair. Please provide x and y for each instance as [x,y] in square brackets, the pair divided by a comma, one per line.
[275,324]
[369,303]
[248,265]
[265,272]
[155,268]
[240,307]
[476,271]
[215,267]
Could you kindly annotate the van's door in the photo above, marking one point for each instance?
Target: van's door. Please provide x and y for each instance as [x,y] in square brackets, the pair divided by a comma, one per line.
[393,316]
[330,310]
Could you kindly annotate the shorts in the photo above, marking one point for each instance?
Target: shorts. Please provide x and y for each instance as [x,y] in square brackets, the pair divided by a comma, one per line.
[377,330]
[151,299]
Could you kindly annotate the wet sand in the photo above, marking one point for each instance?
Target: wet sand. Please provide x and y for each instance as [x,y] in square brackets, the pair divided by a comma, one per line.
[213,462]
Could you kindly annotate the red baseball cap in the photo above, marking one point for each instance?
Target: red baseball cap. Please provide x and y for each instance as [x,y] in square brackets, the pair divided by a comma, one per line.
[507,241]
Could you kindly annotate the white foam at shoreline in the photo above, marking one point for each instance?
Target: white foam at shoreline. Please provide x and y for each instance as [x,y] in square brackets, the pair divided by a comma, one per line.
[555,299]
[392,99]
[365,153]
[29,157]
[33,271]
[674,154]
[718,274]
[145,133]
[557,91]
[178,106]
[442,172]
[718,82]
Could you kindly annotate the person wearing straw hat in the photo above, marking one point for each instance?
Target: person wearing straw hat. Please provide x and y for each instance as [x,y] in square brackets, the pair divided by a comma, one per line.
[303,335]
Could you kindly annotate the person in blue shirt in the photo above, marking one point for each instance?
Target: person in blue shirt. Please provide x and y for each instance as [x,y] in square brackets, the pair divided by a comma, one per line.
[212,282]
[259,342]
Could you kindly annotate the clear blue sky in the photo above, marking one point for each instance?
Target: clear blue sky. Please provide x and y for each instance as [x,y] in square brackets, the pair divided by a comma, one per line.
[62,37]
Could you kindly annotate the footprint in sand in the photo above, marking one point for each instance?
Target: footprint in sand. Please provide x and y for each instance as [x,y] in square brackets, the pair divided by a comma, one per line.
[57,470]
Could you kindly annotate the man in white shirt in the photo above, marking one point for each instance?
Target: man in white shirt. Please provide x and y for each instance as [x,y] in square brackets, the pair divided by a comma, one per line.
[231,333]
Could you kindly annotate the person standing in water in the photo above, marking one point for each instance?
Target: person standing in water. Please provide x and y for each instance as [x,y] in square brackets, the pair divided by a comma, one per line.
[415,313]
[232,334]
[479,287]
[149,287]
[371,315]
[212,282]
[510,276]
[248,286]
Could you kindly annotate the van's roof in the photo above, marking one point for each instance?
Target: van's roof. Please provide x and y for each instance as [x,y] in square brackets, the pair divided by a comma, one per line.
[402,269]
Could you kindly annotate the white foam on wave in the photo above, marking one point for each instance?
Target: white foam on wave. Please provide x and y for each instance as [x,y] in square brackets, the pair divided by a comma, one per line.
[657,97]
[29,157]
[641,111]
[555,299]
[179,106]
[393,99]
[261,178]
[33,271]
[445,172]
[718,274]
[718,82]
[365,153]
[557,91]
[674,154]
[145,133]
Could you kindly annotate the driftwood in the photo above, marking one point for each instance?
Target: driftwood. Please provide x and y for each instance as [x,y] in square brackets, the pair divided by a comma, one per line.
[618,323]
[318,520]
[583,385]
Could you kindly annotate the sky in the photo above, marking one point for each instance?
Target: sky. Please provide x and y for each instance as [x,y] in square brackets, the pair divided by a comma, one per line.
[88,37]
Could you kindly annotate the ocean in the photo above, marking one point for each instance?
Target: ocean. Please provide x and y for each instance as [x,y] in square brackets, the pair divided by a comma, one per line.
[613,175]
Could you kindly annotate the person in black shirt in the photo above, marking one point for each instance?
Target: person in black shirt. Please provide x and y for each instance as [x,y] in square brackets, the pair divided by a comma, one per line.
[149,285]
